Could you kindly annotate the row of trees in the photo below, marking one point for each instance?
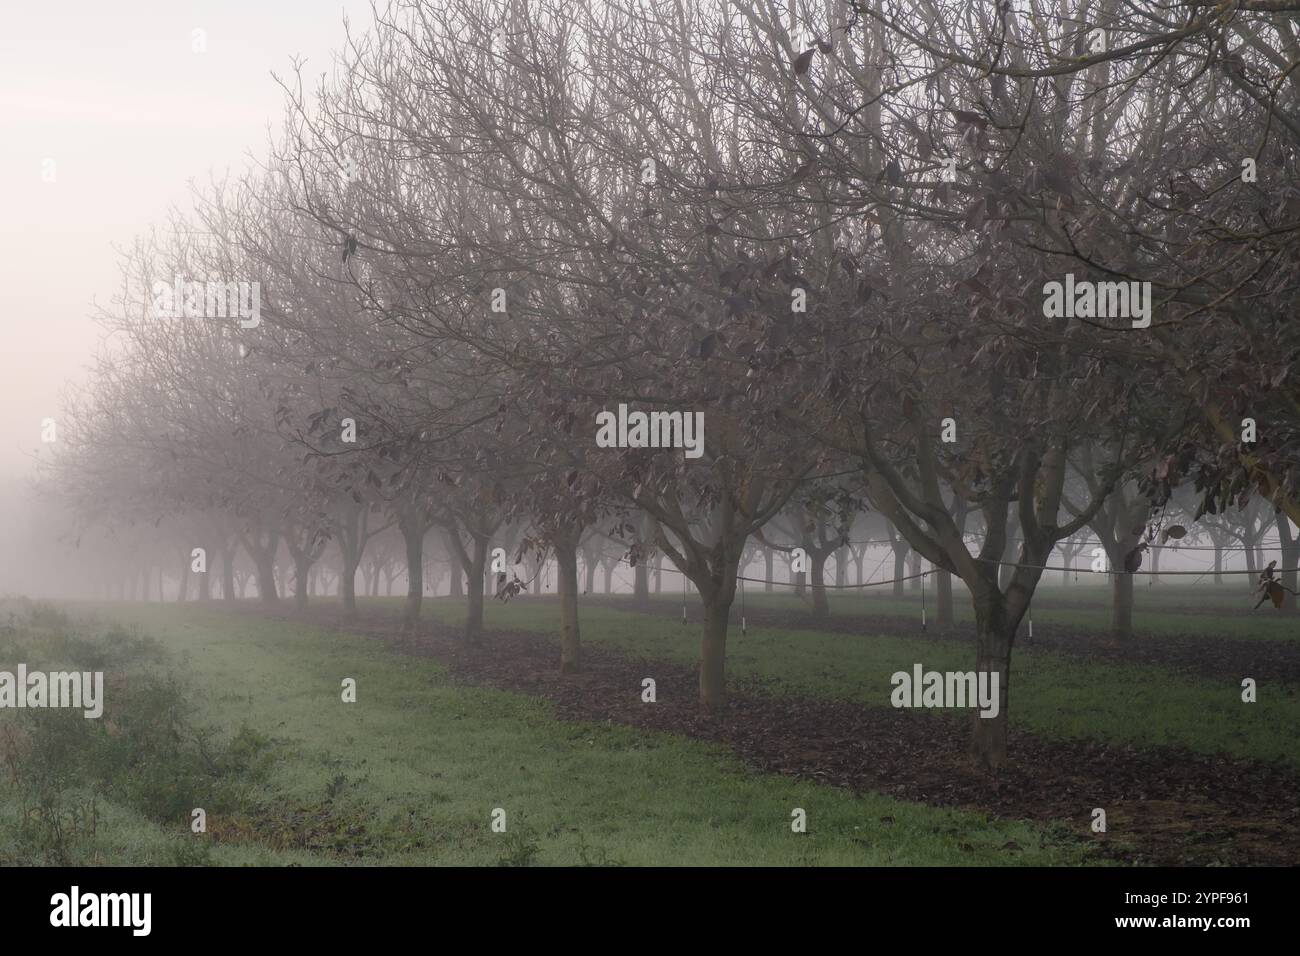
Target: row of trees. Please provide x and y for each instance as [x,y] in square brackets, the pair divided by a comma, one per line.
[825,225]
[158,561]
[162,565]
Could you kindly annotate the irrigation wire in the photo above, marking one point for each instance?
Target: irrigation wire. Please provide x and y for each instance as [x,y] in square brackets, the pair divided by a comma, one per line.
[1007,564]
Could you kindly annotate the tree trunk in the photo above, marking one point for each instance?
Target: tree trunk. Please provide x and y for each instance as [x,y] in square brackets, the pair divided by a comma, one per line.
[641,581]
[769,564]
[204,580]
[659,574]
[800,583]
[348,586]
[609,578]
[841,567]
[566,560]
[301,581]
[1218,564]
[474,575]
[713,658]
[821,606]
[267,589]
[994,636]
[590,567]
[183,585]
[413,536]
[945,617]
[228,573]
[352,543]
[900,569]
[1290,546]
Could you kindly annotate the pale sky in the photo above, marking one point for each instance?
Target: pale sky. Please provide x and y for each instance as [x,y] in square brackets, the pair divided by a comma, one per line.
[115,95]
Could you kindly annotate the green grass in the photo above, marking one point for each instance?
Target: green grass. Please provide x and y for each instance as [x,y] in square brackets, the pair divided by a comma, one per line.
[1052,694]
[1165,609]
[411,773]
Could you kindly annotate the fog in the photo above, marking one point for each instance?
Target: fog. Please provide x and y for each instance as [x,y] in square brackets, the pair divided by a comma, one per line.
[130,115]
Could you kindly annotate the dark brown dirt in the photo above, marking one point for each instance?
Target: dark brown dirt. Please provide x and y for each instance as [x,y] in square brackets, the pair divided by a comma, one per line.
[1164,805]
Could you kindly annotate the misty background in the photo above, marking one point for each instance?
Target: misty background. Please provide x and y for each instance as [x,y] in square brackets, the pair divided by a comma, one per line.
[116,96]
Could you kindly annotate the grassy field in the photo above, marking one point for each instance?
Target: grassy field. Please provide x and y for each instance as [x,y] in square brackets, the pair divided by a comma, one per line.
[1053,694]
[1177,610]
[243,717]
